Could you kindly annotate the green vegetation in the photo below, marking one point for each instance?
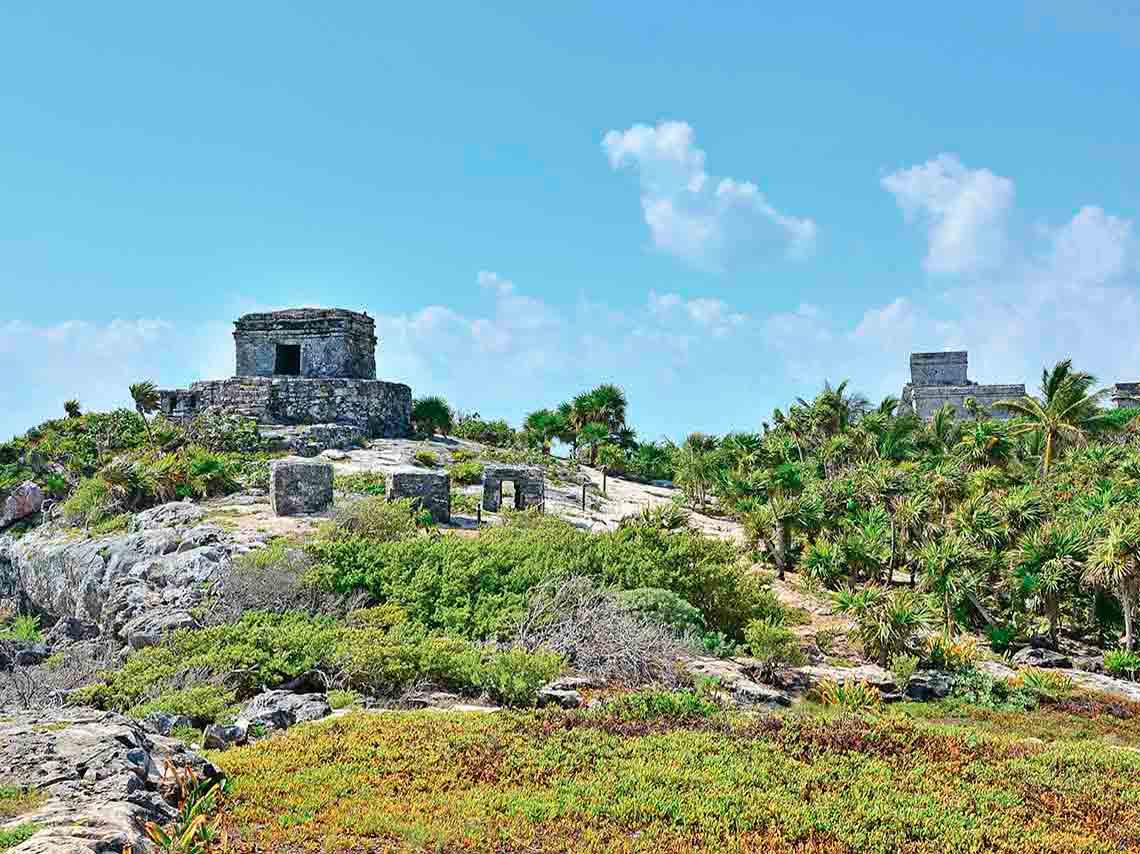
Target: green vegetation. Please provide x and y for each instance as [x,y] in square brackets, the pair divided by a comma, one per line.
[382,657]
[467,472]
[659,771]
[25,627]
[361,483]
[426,458]
[431,415]
[476,588]
[13,836]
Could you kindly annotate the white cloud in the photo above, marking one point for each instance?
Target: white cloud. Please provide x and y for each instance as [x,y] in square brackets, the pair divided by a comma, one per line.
[700,219]
[713,315]
[92,362]
[964,211]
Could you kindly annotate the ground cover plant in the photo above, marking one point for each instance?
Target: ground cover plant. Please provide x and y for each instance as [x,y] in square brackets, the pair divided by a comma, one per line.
[671,772]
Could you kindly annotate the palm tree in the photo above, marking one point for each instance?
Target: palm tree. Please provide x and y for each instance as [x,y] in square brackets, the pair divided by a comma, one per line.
[591,435]
[543,426]
[1115,566]
[949,570]
[432,415]
[912,515]
[1064,413]
[1046,567]
[71,407]
[887,622]
[610,457]
[610,403]
[145,396]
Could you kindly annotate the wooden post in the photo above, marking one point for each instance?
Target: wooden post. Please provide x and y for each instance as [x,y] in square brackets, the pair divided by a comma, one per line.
[583,496]
[479,512]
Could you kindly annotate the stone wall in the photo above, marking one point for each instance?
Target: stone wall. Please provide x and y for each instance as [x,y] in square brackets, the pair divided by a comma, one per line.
[430,490]
[529,482]
[1126,395]
[924,401]
[333,343]
[380,409]
[939,368]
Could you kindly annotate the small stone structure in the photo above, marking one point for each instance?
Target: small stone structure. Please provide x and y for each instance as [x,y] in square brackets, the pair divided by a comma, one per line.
[529,482]
[1125,395]
[430,490]
[303,366]
[298,486]
[940,378]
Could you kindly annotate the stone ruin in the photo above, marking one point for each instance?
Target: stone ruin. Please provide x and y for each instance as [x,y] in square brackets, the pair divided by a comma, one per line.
[429,490]
[1125,395]
[940,378]
[304,366]
[529,483]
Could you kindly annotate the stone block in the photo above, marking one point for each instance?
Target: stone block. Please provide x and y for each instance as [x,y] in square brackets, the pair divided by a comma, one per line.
[529,483]
[298,486]
[430,490]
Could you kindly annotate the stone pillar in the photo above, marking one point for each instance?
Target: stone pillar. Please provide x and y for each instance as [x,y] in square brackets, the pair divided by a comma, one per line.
[298,486]
[430,490]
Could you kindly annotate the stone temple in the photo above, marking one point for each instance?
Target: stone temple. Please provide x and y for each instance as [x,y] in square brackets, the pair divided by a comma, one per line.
[304,366]
[940,378]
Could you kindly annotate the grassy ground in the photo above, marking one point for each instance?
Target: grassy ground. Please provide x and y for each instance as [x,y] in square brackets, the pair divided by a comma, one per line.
[942,778]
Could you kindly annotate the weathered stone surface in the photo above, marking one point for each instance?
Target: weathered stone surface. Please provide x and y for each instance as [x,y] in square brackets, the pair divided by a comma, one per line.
[70,630]
[279,710]
[331,342]
[929,685]
[298,486]
[103,776]
[430,490]
[21,502]
[574,683]
[940,378]
[811,675]
[310,440]
[749,694]
[161,723]
[1037,657]
[566,699]
[529,482]
[221,736]
[134,583]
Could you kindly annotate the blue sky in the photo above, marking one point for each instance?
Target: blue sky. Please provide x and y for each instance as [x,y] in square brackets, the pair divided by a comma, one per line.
[715,207]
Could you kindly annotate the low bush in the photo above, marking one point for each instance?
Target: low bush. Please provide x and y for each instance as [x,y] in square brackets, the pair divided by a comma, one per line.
[24,627]
[478,587]
[464,502]
[952,654]
[426,458]
[654,704]
[463,455]
[218,430]
[903,668]
[361,483]
[372,519]
[598,634]
[466,472]
[497,433]
[1046,683]
[1123,664]
[666,607]
[774,645]
[852,696]
[202,673]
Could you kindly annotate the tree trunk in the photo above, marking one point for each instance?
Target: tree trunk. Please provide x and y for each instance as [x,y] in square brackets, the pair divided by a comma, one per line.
[603,481]
[1129,641]
[1048,458]
[783,547]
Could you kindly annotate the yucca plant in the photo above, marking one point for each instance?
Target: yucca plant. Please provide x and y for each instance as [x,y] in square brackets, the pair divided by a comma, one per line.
[855,697]
[888,622]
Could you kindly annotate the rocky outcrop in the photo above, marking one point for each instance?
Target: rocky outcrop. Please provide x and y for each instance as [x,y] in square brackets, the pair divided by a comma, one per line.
[102,776]
[21,502]
[279,710]
[133,587]
[1033,656]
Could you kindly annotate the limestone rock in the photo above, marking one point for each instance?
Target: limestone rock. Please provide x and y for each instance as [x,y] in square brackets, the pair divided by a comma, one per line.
[70,630]
[161,723]
[279,710]
[751,694]
[928,685]
[23,501]
[298,486]
[175,514]
[430,490]
[811,675]
[566,699]
[103,776]
[1033,656]
[221,736]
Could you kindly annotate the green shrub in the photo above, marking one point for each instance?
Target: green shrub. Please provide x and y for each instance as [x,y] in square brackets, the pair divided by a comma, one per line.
[463,455]
[426,458]
[1046,683]
[514,676]
[217,430]
[12,836]
[903,668]
[467,472]
[373,518]
[90,503]
[25,627]
[475,429]
[776,646]
[651,704]
[1123,664]
[432,415]
[362,483]
[665,607]
[476,587]
[826,637]
[952,654]
[110,525]
[464,502]
[341,699]
[852,696]
[1001,637]
[201,703]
